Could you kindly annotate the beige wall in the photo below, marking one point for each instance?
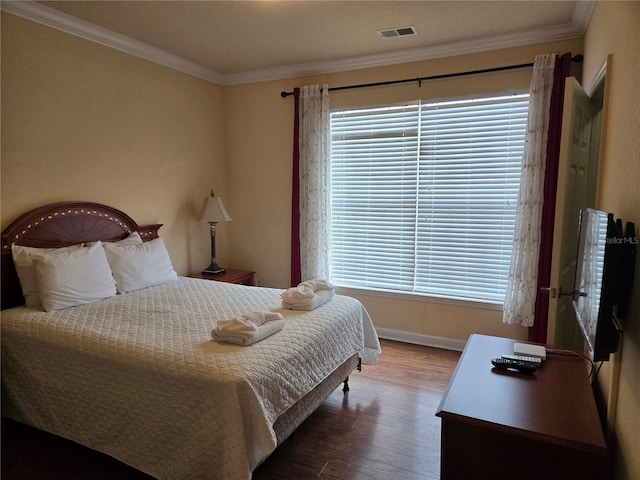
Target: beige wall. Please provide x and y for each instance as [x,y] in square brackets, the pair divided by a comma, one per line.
[615,29]
[259,125]
[84,122]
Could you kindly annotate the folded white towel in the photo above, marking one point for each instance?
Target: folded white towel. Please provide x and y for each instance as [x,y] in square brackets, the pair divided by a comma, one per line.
[307,295]
[248,328]
[320,298]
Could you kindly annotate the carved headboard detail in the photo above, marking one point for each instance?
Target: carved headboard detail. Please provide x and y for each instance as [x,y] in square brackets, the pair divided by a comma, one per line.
[60,225]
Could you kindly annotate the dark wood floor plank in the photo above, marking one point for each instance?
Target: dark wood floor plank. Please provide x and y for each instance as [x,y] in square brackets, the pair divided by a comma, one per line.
[385,428]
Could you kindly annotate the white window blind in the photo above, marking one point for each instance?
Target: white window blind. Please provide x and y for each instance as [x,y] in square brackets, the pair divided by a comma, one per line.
[424,196]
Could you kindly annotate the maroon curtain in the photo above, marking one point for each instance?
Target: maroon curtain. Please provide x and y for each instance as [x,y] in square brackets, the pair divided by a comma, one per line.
[538,332]
[295,195]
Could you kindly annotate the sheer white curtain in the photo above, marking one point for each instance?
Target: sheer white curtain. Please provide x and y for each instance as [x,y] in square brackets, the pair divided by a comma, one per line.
[520,298]
[315,182]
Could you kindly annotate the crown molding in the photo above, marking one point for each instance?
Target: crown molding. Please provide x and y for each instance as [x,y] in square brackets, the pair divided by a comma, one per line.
[582,14]
[543,35]
[50,17]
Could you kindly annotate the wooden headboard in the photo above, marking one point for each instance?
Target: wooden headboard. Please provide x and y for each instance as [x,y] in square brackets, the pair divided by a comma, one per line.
[60,225]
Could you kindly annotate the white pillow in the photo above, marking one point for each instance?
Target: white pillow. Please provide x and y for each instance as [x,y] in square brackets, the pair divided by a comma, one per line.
[132,238]
[73,277]
[27,273]
[140,266]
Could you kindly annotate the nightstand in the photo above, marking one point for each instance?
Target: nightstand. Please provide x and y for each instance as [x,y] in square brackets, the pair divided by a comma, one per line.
[230,275]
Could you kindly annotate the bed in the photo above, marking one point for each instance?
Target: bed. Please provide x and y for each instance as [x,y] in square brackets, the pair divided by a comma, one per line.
[138,376]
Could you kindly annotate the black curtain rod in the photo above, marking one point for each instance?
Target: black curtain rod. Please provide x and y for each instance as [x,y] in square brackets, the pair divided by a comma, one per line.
[419,80]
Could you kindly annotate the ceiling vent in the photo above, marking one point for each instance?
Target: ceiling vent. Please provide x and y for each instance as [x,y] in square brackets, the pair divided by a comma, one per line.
[398,32]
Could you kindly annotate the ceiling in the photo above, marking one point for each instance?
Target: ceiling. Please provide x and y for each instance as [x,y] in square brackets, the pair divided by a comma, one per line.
[232,42]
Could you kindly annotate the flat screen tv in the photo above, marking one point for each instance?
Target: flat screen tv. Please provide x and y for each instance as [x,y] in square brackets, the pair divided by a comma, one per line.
[604,276]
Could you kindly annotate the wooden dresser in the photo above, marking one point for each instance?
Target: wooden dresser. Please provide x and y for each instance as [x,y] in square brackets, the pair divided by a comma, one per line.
[499,424]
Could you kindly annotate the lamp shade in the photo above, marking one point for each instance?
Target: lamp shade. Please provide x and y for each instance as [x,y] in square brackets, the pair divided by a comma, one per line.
[213,211]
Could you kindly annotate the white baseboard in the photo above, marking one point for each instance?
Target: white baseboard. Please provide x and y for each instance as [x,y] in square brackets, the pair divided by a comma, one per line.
[420,339]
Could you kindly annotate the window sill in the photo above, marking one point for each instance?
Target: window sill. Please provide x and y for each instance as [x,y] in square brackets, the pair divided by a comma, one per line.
[419,298]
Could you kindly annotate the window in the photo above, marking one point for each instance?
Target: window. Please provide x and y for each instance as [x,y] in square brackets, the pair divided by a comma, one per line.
[424,196]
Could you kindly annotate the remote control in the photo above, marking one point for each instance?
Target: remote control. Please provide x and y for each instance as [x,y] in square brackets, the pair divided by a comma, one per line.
[508,364]
[524,358]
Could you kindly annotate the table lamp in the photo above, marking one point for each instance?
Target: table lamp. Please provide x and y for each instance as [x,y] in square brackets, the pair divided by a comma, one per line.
[213,211]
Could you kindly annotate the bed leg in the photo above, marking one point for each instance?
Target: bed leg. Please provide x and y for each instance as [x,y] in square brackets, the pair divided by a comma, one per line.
[345,389]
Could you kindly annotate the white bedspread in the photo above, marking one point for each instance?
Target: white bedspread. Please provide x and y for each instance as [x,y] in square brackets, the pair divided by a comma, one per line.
[137,376]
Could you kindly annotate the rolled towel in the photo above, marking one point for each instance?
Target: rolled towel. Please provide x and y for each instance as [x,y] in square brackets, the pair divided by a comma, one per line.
[319,298]
[248,328]
[318,285]
[307,295]
[299,292]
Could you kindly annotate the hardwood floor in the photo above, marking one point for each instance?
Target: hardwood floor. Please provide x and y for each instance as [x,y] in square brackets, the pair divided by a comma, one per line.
[384,428]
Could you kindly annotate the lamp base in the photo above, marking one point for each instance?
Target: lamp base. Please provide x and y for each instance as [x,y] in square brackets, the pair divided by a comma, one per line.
[213,269]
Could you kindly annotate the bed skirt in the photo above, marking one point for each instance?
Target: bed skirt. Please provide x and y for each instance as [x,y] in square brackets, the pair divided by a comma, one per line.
[285,425]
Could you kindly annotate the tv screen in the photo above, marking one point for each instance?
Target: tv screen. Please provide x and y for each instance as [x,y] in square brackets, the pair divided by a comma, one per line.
[598,283]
